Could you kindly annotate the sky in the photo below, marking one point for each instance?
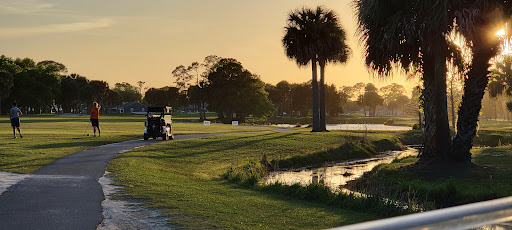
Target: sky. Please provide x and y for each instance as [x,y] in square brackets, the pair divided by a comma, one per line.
[133,40]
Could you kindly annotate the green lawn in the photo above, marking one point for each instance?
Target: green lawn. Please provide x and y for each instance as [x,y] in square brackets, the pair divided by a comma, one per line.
[183,178]
[50,137]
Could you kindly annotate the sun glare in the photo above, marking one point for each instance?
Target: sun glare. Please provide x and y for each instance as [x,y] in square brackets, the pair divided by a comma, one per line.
[501,33]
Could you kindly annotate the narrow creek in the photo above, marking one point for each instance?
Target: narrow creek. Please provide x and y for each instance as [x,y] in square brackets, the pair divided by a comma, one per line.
[338,174]
[374,127]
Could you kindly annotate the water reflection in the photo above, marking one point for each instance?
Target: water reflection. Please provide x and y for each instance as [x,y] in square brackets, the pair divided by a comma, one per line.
[375,127]
[336,175]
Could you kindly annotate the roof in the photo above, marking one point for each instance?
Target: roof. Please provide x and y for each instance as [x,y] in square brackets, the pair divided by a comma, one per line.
[165,109]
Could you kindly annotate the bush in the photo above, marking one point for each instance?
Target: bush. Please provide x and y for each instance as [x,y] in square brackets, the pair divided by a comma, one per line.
[249,174]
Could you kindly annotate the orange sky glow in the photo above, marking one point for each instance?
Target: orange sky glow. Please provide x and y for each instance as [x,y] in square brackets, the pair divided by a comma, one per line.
[130,41]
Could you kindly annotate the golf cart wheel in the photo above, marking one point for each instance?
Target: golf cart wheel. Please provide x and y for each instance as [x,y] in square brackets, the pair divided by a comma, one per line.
[146,137]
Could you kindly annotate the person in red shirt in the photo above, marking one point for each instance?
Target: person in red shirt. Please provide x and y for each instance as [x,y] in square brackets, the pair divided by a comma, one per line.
[95,116]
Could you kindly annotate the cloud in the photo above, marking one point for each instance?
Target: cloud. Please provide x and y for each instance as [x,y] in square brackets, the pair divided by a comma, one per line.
[24,7]
[12,32]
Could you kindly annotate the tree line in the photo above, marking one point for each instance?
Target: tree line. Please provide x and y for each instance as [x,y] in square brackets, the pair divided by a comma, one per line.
[222,84]
[295,99]
[46,87]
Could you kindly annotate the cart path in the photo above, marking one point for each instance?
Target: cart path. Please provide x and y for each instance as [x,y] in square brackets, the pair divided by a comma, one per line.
[65,194]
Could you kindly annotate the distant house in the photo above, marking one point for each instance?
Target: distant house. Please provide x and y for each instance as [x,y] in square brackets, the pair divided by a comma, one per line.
[131,107]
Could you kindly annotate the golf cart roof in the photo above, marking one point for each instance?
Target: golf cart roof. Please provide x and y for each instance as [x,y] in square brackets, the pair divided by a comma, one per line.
[162,109]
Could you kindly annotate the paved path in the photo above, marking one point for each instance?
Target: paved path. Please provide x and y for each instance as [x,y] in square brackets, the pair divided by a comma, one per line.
[64,194]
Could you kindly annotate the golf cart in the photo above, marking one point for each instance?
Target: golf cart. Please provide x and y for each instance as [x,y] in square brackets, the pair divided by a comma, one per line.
[158,123]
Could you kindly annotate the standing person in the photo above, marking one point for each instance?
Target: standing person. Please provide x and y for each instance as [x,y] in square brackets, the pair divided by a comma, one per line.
[95,116]
[15,114]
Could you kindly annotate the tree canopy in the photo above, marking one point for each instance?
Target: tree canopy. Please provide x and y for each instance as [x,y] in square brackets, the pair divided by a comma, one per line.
[233,90]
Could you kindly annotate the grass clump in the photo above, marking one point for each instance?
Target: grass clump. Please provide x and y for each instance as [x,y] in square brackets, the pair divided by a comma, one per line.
[248,174]
[317,192]
[351,149]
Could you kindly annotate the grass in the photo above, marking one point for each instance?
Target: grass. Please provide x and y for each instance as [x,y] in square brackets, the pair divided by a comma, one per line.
[47,138]
[183,178]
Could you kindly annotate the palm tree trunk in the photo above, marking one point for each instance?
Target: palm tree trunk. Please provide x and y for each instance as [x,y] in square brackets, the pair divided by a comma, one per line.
[474,89]
[452,102]
[323,127]
[436,130]
[314,84]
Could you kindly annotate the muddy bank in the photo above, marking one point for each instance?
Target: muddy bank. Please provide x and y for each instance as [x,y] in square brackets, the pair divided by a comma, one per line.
[120,213]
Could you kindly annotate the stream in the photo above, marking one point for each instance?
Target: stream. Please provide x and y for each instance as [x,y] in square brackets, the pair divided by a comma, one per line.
[376,127]
[338,174]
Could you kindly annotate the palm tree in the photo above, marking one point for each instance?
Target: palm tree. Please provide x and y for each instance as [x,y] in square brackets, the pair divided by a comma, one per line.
[476,25]
[334,50]
[412,35]
[301,44]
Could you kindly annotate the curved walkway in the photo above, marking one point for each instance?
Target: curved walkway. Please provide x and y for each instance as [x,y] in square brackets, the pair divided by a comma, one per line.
[65,194]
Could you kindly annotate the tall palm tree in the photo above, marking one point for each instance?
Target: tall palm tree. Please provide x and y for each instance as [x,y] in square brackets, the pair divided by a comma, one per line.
[477,24]
[301,44]
[412,35]
[333,49]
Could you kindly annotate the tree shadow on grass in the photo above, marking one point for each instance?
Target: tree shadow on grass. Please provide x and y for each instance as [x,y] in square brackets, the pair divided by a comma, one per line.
[33,164]
[70,144]
[241,144]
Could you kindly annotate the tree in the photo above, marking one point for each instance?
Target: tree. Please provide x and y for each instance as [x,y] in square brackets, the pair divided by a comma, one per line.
[333,49]
[413,35]
[301,99]
[280,96]
[99,91]
[232,90]
[6,84]
[127,91]
[301,43]
[140,84]
[454,82]
[185,75]
[182,76]
[475,20]
[113,98]
[59,67]
[370,99]
[36,87]
[335,100]
[394,96]
[74,92]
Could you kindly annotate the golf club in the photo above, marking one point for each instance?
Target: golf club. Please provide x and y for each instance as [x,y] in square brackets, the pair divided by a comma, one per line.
[86,128]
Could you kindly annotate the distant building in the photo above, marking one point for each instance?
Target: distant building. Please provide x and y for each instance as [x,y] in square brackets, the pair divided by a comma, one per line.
[131,107]
[385,111]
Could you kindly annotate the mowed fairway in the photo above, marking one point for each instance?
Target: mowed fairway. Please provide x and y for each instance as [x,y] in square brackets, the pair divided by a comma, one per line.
[50,137]
[183,178]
